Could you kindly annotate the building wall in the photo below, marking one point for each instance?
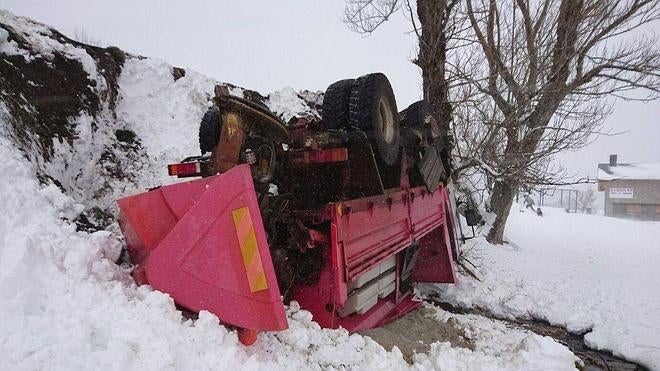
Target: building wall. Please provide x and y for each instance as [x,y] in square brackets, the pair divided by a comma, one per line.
[645,195]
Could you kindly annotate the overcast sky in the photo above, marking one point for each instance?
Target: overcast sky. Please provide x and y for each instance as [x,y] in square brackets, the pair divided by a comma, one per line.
[266,45]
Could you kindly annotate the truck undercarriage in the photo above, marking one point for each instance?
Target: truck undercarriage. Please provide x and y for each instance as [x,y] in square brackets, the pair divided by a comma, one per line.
[343,215]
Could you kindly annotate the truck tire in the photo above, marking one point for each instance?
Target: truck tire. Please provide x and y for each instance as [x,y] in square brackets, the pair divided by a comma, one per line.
[335,106]
[419,118]
[415,116]
[373,110]
[209,130]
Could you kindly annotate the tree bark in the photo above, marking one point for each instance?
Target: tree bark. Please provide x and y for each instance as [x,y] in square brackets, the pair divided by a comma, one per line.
[501,200]
[433,17]
[432,56]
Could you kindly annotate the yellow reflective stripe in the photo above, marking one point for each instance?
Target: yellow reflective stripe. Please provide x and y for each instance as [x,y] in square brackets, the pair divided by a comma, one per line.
[247,240]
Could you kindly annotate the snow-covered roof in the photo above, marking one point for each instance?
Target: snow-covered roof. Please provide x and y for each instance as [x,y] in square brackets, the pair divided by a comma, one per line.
[629,171]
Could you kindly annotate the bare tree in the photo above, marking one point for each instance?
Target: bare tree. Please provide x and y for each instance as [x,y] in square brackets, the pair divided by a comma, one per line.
[586,199]
[525,79]
[365,16]
[535,81]
[81,35]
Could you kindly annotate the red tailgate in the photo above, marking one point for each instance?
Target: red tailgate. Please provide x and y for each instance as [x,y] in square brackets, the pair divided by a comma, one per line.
[204,243]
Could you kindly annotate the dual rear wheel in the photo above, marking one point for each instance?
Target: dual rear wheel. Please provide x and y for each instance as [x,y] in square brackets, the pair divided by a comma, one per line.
[366,103]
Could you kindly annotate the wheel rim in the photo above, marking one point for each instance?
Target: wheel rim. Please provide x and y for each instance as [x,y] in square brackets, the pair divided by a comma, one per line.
[386,122]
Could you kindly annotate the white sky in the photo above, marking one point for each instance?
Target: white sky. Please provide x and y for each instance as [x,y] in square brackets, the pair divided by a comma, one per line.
[266,45]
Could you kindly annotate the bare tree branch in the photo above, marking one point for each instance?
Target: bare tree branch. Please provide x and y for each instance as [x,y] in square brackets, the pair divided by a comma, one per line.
[365,16]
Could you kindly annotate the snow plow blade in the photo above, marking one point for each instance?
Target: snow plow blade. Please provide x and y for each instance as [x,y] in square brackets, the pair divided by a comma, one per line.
[203,243]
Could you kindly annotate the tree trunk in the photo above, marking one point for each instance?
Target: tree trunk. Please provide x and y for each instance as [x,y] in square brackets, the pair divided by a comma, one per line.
[501,200]
[433,17]
[431,58]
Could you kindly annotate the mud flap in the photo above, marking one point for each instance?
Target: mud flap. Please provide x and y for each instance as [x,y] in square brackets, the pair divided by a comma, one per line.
[435,262]
[431,168]
[203,243]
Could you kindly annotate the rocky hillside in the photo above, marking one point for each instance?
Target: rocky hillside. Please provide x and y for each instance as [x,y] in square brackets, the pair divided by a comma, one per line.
[99,122]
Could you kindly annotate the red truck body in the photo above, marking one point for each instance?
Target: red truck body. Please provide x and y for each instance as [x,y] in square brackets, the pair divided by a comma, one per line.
[365,233]
[348,238]
[185,242]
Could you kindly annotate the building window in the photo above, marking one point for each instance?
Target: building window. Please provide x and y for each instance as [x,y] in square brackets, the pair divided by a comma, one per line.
[633,209]
[618,209]
[650,210]
[643,211]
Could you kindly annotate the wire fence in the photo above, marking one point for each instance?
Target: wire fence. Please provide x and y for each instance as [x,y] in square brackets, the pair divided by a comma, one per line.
[564,198]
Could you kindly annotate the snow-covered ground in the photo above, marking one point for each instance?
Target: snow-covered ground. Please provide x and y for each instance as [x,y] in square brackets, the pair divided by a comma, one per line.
[65,304]
[584,272]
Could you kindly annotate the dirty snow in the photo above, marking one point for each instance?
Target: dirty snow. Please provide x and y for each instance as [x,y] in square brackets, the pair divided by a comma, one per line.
[584,272]
[288,104]
[498,347]
[10,47]
[44,45]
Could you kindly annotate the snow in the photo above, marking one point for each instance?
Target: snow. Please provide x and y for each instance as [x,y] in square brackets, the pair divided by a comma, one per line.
[497,348]
[9,47]
[288,104]
[65,305]
[584,272]
[43,45]
[630,171]
[162,112]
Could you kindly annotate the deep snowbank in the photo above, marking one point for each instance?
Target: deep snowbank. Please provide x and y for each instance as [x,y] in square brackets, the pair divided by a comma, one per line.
[584,272]
[65,304]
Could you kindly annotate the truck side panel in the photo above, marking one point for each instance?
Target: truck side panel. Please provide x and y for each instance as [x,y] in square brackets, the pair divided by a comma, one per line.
[367,232]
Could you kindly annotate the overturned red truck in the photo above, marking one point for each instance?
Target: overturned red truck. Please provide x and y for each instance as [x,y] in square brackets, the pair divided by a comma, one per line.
[343,215]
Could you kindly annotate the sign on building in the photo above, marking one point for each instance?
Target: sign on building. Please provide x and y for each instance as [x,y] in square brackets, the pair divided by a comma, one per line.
[621,193]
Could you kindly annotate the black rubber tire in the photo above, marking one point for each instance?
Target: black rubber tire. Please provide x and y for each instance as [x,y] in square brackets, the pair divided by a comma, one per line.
[209,130]
[336,100]
[373,110]
[415,115]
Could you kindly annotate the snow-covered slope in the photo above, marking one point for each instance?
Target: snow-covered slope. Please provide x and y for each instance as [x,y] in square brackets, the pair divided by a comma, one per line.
[585,272]
[80,126]
[100,122]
